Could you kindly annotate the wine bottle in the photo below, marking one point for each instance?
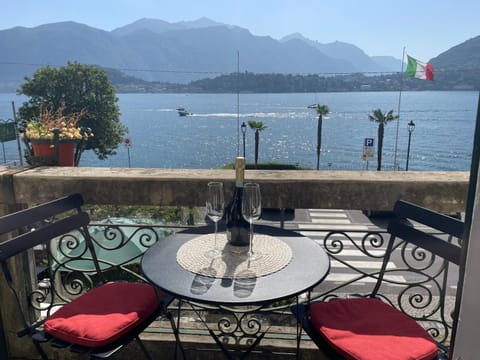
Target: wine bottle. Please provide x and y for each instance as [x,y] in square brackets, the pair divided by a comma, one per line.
[237,226]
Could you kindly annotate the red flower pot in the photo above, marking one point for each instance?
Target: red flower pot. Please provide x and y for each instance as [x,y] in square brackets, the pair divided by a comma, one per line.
[43,149]
[66,151]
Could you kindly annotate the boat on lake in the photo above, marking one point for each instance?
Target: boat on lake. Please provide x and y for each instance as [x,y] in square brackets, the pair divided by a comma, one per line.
[182,111]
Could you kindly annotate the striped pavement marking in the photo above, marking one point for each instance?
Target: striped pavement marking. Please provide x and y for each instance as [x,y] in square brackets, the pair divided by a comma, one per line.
[361,264]
[331,221]
[320,235]
[328,226]
[328,215]
[324,220]
[358,253]
[344,277]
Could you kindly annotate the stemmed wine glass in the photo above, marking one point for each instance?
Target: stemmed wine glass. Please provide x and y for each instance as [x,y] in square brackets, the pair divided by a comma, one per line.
[251,211]
[215,206]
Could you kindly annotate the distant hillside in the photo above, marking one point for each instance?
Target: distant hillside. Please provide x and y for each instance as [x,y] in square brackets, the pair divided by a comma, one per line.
[342,51]
[24,50]
[463,56]
[161,54]
[158,26]
[156,50]
[198,53]
[388,62]
[460,65]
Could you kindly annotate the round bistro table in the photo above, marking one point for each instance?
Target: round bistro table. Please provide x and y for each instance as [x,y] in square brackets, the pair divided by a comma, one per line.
[308,266]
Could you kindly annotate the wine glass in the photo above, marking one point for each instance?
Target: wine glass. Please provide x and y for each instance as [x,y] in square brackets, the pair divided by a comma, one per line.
[251,210]
[215,205]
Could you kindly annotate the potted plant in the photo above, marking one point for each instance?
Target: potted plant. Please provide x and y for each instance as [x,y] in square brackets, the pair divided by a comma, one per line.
[54,138]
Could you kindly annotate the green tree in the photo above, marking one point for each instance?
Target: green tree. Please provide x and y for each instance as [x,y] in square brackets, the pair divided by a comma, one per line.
[257,126]
[382,119]
[322,110]
[78,88]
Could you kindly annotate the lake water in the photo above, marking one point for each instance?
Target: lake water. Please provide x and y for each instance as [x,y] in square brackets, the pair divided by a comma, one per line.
[442,139]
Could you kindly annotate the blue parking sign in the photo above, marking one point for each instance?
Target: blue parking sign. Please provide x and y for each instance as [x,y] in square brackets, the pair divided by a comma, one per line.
[368,149]
[368,142]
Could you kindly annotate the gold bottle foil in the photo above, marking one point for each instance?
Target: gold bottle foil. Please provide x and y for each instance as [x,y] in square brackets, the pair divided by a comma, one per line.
[239,171]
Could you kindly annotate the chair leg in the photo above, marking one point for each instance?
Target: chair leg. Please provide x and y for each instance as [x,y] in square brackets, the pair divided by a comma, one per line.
[144,349]
[176,329]
[40,350]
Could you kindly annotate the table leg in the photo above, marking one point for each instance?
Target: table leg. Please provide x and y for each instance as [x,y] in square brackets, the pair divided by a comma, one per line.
[229,328]
[299,330]
[176,331]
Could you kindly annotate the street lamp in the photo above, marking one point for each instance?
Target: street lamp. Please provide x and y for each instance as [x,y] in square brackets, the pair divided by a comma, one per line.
[244,130]
[410,127]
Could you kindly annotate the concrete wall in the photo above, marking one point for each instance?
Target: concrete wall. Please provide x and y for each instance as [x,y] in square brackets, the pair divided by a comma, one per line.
[440,191]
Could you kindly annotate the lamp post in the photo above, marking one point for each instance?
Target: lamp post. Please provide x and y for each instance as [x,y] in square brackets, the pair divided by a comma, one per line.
[322,110]
[410,127]
[128,143]
[244,130]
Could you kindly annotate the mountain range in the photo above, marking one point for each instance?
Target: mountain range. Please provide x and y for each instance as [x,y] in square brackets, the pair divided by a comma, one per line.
[181,52]
[156,50]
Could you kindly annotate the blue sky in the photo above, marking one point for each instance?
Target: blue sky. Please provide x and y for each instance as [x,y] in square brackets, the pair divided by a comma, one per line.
[380,27]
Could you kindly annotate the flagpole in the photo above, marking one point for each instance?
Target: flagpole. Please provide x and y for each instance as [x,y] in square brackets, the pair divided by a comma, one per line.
[395,167]
[238,103]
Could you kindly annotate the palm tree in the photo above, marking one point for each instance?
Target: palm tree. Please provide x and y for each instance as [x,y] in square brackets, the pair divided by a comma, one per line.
[257,126]
[322,110]
[382,119]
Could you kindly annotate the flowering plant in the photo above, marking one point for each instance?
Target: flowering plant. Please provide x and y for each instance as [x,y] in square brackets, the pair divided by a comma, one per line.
[50,120]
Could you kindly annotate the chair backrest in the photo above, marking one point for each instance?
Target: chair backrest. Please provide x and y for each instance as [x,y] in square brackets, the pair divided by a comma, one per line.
[73,257]
[30,216]
[71,252]
[39,225]
[419,272]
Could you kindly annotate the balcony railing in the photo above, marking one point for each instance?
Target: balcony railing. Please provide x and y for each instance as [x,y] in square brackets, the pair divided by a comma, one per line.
[445,192]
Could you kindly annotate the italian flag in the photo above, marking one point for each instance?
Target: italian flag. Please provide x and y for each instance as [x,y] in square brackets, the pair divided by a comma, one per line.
[418,69]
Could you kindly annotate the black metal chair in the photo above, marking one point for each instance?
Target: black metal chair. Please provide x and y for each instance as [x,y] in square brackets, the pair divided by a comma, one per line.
[88,313]
[406,316]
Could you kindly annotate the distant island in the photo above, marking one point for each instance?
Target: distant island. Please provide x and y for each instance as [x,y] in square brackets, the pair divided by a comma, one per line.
[247,82]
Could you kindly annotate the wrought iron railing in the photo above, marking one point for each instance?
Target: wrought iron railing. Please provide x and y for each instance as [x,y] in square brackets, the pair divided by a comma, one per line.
[420,285]
[66,266]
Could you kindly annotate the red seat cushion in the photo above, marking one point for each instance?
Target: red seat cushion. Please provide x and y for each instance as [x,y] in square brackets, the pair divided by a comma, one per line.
[368,329]
[103,314]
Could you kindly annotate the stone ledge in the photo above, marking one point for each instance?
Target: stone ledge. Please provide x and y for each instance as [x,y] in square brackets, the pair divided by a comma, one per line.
[441,191]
